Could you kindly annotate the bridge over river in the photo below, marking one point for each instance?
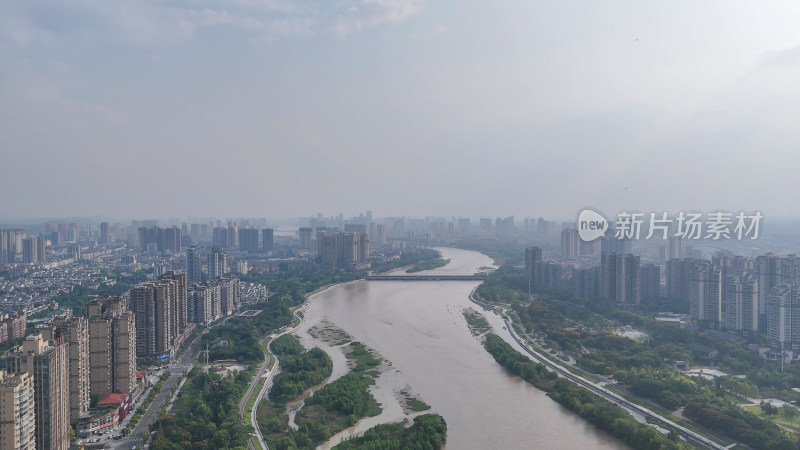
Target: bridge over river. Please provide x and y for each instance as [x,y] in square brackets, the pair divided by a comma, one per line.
[425,277]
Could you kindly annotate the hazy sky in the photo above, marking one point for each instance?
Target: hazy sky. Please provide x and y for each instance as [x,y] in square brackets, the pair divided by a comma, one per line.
[283,108]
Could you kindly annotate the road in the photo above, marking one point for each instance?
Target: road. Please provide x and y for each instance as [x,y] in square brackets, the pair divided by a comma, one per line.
[178,370]
[609,395]
[600,390]
[269,374]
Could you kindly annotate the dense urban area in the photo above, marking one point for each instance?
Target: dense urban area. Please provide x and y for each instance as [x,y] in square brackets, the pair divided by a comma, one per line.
[175,335]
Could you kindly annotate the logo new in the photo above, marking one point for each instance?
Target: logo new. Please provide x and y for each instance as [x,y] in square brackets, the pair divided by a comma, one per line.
[591,225]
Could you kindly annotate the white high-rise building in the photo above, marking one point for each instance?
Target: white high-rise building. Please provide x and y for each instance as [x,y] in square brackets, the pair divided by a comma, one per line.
[217,264]
[742,303]
[783,317]
[705,299]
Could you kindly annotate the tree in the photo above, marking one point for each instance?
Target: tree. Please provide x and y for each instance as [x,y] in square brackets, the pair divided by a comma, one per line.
[768,408]
[789,411]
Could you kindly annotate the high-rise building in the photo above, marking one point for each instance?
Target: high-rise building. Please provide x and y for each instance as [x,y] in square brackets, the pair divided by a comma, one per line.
[112,347]
[679,273]
[8,246]
[230,294]
[463,225]
[217,263]
[267,240]
[305,237]
[783,317]
[355,228]
[674,248]
[75,331]
[649,282]
[17,417]
[178,301]
[33,250]
[342,249]
[204,303]
[742,303]
[504,225]
[220,237]
[363,246]
[165,240]
[151,304]
[705,299]
[772,270]
[105,236]
[610,244]
[194,271]
[17,324]
[377,233]
[570,243]
[248,239]
[627,279]
[48,363]
[551,275]
[585,282]
[124,355]
[608,275]
[533,256]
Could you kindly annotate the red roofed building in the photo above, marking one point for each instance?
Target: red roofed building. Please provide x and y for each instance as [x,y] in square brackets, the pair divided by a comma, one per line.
[110,410]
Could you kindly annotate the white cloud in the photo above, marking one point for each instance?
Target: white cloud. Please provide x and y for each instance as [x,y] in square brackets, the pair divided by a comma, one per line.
[370,13]
[145,22]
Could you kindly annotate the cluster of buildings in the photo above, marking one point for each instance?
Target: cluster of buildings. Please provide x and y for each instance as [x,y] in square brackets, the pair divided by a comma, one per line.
[14,242]
[731,293]
[153,240]
[342,248]
[245,239]
[12,326]
[47,383]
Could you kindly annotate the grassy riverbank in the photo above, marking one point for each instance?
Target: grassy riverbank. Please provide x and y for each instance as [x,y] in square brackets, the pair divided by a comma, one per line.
[602,413]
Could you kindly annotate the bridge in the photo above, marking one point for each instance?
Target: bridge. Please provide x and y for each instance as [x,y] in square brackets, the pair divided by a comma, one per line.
[425,277]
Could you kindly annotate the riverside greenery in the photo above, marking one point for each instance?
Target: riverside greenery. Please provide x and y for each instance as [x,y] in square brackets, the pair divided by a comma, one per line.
[583,329]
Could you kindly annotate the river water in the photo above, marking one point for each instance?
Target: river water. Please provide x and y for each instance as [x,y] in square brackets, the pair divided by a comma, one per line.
[418,326]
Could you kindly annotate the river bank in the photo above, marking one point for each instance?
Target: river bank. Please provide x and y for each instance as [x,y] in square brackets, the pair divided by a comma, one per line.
[420,328]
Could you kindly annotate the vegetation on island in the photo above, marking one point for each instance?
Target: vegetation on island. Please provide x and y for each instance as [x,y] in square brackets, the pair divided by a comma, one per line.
[476,322]
[410,257]
[330,409]
[416,405]
[361,357]
[429,431]
[428,265]
[300,369]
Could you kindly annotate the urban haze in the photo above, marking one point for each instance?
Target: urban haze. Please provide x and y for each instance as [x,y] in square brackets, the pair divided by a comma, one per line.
[399,224]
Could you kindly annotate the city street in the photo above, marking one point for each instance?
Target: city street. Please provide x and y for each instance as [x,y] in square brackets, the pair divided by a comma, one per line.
[177,369]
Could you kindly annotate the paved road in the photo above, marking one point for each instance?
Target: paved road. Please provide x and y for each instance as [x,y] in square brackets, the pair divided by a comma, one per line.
[600,390]
[178,370]
[609,395]
[269,374]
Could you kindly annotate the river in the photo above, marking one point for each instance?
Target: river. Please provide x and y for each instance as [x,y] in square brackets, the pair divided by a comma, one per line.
[418,326]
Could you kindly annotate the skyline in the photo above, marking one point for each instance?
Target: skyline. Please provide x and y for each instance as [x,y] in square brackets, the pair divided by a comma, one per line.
[140,109]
